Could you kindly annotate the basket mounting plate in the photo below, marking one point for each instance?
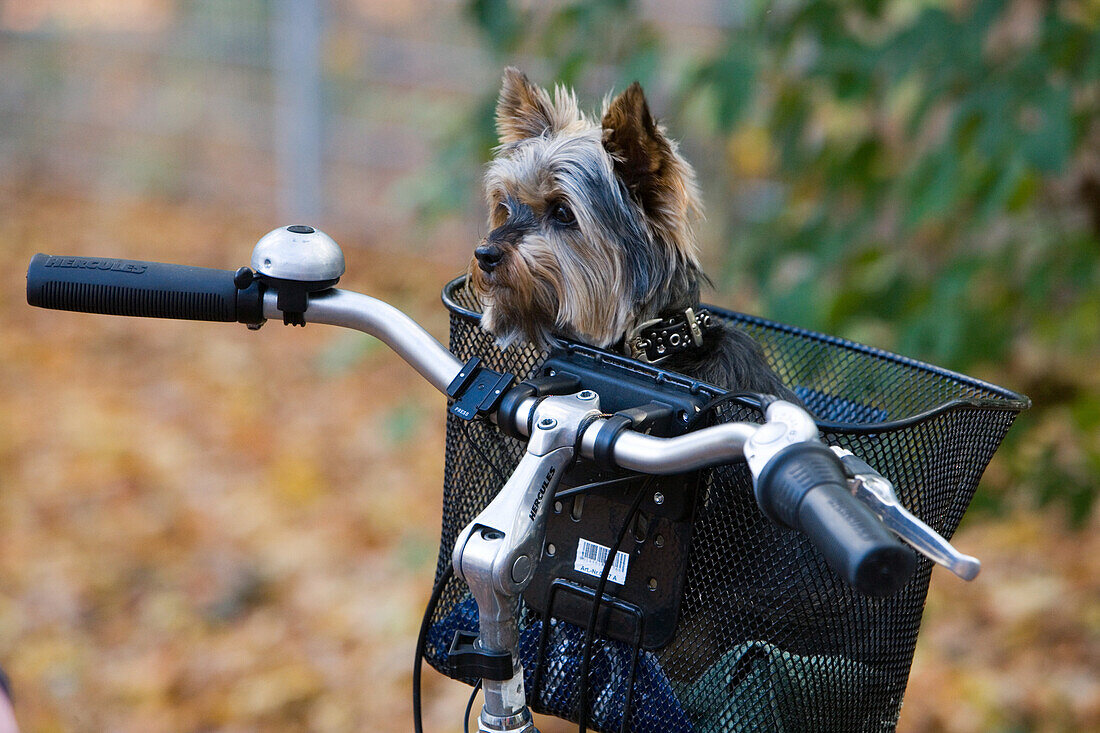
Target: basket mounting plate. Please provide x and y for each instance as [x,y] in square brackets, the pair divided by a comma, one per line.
[582,525]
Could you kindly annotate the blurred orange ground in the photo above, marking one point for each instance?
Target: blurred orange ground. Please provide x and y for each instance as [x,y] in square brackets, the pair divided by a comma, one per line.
[204,528]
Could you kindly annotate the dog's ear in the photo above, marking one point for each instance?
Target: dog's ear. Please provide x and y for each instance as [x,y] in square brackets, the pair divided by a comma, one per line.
[523,109]
[645,160]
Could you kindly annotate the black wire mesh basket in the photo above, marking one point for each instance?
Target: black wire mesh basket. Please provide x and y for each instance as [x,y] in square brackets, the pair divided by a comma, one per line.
[764,636]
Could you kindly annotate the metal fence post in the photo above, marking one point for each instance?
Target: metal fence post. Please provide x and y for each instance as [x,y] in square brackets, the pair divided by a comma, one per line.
[296,32]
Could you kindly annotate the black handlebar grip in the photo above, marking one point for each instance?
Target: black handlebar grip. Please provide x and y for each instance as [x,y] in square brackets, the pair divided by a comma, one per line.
[136,288]
[804,487]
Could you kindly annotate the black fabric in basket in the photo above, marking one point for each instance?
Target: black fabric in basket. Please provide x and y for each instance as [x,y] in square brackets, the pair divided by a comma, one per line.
[768,638]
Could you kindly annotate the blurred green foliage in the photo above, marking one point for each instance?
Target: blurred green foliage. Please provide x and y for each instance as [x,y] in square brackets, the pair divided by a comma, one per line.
[921,175]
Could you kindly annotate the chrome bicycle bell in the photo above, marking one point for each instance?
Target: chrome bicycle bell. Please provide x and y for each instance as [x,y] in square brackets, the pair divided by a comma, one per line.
[296,261]
[299,253]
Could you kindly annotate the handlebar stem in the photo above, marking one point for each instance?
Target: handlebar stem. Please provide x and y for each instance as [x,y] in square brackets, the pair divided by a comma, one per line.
[498,552]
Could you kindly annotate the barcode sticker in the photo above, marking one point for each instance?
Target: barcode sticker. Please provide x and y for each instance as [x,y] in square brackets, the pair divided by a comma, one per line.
[591,558]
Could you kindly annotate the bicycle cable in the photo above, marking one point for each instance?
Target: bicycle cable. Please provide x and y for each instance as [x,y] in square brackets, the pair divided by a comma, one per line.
[433,601]
[477,449]
[749,399]
[422,642]
[469,707]
[745,399]
[590,631]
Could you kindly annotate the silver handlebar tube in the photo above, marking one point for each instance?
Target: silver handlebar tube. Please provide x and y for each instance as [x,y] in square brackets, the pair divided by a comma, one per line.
[633,451]
[379,319]
[660,456]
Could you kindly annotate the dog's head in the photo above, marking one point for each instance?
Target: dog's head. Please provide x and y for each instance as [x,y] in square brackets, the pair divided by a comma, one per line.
[590,223]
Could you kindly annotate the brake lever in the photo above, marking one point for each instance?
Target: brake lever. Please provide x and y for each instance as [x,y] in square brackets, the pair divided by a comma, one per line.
[875,491]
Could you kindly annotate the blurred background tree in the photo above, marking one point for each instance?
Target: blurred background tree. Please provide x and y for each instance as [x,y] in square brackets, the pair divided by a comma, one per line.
[921,176]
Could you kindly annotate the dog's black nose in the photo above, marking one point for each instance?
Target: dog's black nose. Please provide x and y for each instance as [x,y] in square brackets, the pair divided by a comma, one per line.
[488,256]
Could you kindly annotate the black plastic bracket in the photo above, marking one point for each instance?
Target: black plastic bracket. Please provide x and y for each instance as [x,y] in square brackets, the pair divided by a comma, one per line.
[649,416]
[642,419]
[560,383]
[293,295]
[605,439]
[477,390]
[469,661]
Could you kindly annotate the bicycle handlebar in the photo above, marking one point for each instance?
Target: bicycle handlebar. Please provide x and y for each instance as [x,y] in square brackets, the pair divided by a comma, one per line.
[159,290]
[803,488]
[843,506]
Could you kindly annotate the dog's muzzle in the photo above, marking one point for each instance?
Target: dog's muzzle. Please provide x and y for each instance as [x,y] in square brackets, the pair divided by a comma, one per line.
[488,256]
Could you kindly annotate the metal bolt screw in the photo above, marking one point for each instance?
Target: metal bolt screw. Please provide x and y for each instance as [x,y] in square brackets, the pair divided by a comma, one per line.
[492,534]
[521,569]
[586,395]
[547,422]
[658,498]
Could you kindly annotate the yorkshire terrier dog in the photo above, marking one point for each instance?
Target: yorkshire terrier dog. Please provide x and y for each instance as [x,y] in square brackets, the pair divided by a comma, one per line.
[591,238]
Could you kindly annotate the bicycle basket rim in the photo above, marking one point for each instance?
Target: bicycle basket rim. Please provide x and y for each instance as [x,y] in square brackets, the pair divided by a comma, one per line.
[1001,399]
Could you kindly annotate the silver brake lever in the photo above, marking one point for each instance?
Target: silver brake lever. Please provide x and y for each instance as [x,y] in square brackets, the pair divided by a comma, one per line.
[878,494]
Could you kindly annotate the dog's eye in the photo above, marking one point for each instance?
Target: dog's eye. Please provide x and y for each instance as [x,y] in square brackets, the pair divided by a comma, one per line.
[502,212]
[562,214]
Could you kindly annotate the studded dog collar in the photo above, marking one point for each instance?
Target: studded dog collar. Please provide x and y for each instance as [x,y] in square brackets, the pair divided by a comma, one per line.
[660,338]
